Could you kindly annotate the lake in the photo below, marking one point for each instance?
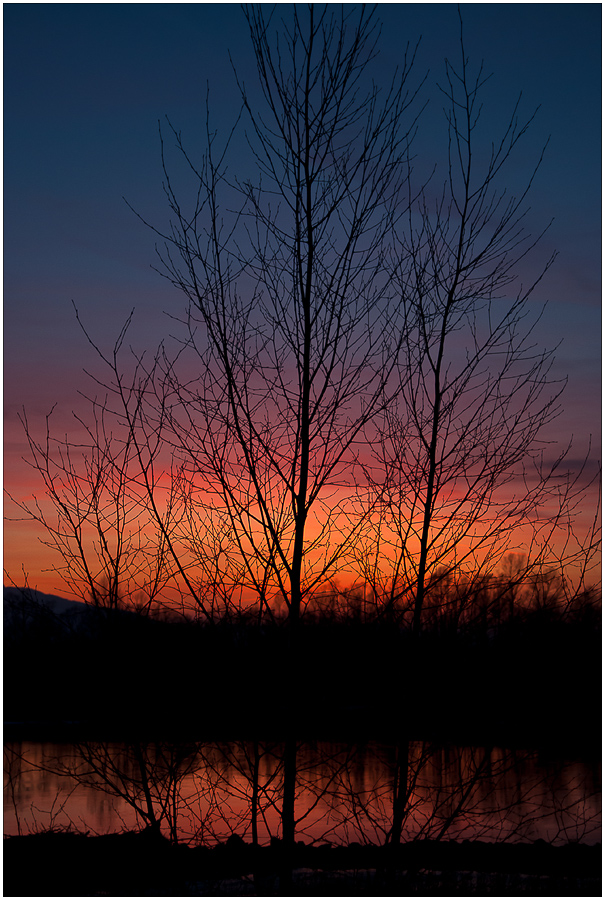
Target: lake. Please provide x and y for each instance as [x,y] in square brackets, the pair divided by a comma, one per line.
[370,792]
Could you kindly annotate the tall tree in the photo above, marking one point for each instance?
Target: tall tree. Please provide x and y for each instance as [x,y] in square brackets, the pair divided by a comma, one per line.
[290,301]
[463,473]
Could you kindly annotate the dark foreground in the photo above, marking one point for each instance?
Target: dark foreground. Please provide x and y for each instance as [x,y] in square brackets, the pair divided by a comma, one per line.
[142,864]
[533,681]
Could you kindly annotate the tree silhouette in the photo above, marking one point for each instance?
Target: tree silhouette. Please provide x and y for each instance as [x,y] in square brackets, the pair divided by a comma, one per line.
[96,517]
[289,304]
[462,469]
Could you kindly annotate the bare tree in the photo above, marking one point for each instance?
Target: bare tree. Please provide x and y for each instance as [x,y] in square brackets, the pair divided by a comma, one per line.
[288,302]
[463,459]
[96,516]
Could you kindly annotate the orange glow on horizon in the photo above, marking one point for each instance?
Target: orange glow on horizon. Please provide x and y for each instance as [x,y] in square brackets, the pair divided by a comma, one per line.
[28,562]
[202,532]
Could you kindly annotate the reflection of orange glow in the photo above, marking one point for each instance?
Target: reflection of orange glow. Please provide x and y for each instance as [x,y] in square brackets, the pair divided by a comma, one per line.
[342,795]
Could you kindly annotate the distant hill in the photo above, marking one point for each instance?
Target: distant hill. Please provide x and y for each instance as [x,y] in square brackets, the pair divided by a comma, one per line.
[25,608]
[25,598]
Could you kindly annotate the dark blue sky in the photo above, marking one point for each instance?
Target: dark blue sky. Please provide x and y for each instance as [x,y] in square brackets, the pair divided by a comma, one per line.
[85,85]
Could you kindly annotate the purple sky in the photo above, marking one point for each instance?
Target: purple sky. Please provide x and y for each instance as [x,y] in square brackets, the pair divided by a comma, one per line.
[85,86]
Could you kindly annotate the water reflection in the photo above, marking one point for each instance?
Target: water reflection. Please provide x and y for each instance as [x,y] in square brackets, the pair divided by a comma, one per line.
[314,792]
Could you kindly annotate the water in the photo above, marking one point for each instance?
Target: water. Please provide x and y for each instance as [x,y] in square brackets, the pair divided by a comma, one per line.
[205,792]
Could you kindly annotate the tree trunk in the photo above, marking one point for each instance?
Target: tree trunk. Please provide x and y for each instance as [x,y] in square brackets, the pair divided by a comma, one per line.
[288,821]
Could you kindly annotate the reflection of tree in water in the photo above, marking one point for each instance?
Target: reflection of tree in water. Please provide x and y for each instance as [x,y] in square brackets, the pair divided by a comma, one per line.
[244,781]
[203,793]
[147,777]
[448,792]
[413,790]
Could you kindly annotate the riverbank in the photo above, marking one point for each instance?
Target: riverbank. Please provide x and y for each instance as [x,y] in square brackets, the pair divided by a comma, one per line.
[143,864]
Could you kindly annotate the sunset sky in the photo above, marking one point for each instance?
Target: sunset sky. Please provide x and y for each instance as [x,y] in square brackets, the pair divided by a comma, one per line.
[85,86]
